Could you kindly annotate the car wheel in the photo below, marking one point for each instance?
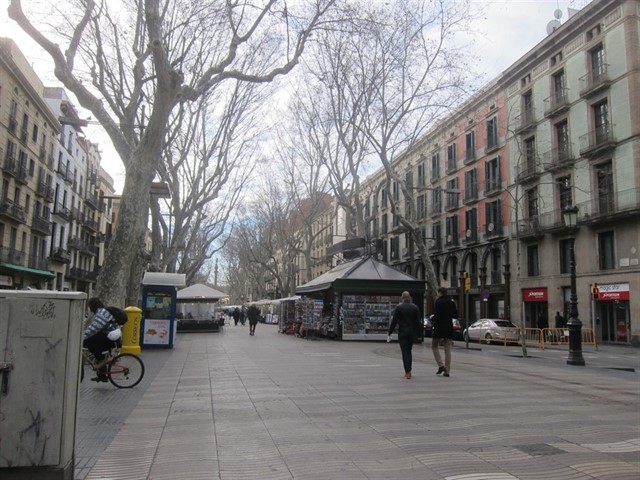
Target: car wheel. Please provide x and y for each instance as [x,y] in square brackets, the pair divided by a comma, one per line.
[466,337]
[488,338]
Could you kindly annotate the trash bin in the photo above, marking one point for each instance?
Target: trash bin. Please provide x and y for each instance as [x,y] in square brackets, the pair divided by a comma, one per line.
[40,359]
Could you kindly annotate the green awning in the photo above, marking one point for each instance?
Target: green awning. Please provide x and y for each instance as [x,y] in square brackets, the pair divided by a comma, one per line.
[20,268]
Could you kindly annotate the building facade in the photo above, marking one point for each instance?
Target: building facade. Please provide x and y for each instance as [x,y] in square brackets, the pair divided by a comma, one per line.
[489,184]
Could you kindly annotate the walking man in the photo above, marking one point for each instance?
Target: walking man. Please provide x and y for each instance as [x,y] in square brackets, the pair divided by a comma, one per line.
[254,314]
[445,312]
[407,317]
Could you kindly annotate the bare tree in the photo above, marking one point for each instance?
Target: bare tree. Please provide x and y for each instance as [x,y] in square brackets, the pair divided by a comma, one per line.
[134,74]
[387,77]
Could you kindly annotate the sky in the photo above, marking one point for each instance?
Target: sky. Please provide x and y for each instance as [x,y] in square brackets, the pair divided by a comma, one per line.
[506,31]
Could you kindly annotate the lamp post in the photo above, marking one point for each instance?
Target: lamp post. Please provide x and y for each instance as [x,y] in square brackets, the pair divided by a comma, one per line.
[574,324]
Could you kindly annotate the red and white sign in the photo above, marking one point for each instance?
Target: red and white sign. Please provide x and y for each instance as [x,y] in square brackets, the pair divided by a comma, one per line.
[534,294]
[611,292]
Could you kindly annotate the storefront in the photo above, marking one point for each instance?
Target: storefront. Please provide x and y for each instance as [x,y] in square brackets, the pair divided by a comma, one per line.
[356,299]
[612,319]
[535,306]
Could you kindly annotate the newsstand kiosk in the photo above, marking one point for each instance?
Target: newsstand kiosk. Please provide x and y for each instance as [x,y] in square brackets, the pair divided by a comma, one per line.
[159,322]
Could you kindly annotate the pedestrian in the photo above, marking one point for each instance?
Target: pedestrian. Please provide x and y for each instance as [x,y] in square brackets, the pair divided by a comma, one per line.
[560,320]
[254,314]
[407,317]
[243,315]
[236,316]
[445,312]
[96,334]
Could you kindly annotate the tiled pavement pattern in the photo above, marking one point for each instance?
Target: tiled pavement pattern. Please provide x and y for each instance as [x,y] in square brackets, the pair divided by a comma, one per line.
[231,406]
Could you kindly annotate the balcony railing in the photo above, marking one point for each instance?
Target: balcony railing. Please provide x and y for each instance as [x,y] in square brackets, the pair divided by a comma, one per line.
[38,263]
[595,81]
[41,224]
[45,191]
[15,169]
[63,212]
[61,255]
[15,212]
[528,171]
[557,158]
[610,206]
[557,103]
[525,121]
[492,186]
[452,241]
[12,256]
[597,141]
[469,236]
[92,200]
[492,230]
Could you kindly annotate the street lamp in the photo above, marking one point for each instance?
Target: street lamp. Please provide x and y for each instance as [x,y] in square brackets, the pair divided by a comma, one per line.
[574,324]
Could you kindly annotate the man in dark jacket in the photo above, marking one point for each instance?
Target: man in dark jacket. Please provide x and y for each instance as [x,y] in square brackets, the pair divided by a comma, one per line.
[445,312]
[254,314]
[407,317]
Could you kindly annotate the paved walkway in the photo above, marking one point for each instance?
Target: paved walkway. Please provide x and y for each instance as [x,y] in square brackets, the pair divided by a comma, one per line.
[231,406]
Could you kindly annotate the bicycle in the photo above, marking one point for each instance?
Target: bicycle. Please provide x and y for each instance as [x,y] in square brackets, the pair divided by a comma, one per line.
[124,370]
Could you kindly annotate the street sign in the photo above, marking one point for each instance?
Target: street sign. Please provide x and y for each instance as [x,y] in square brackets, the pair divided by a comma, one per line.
[467,284]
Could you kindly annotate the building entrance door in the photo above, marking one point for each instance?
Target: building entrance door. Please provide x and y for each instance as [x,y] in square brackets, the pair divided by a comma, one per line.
[614,321]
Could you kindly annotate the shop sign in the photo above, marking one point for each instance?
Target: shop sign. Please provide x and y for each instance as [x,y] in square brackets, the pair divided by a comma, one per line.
[534,294]
[6,281]
[610,292]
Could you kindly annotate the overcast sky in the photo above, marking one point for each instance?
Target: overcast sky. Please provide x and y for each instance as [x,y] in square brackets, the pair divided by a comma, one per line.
[507,30]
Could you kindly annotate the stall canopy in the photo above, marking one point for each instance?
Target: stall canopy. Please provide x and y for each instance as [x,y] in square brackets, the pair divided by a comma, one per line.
[361,275]
[200,293]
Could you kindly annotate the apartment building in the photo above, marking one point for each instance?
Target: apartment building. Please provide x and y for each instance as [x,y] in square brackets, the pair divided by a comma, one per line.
[557,129]
[28,148]
[54,213]
[574,123]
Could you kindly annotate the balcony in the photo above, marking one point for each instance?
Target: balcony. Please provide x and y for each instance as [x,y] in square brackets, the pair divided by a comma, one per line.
[470,156]
[45,191]
[529,171]
[60,255]
[470,193]
[595,81]
[557,103]
[13,124]
[16,170]
[529,228]
[41,225]
[492,187]
[80,274]
[38,263]
[598,141]
[452,241]
[91,199]
[525,122]
[492,230]
[12,256]
[492,145]
[435,209]
[557,158]
[12,211]
[470,236]
[92,225]
[610,207]
[63,212]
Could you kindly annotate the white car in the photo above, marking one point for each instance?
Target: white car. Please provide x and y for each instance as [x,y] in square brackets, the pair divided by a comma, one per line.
[490,329]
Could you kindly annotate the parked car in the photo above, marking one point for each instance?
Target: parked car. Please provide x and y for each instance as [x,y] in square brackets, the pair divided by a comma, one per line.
[489,329]
[428,328]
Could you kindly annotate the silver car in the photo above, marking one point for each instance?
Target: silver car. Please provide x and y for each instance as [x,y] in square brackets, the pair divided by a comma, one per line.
[489,330]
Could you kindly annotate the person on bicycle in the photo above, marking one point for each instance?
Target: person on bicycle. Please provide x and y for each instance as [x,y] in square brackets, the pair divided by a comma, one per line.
[95,334]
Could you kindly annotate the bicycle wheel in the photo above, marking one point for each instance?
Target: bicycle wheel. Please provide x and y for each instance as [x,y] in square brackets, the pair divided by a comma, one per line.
[126,370]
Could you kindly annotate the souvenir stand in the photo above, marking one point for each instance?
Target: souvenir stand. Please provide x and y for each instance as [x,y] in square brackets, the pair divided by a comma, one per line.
[356,299]
[199,309]
[287,312]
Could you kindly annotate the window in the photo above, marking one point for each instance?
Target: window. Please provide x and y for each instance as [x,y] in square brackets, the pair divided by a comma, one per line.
[492,175]
[559,88]
[492,133]
[421,175]
[532,261]
[526,116]
[34,133]
[395,248]
[562,141]
[367,208]
[565,256]
[470,143]
[452,197]
[606,251]
[529,147]
[471,185]
[421,206]
[596,62]
[383,197]
[32,167]
[451,226]
[436,234]
[435,166]
[408,179]
[436,201]
[451,157]
[565,198]
[384,224]
[395,191]
[532,202]
[492,217]
[601,122]
[25,128]
[526,80]
[604,179]
[471,223]
[11,151]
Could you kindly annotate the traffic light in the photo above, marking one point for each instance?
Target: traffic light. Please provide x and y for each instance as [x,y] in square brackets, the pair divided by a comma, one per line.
[595,292]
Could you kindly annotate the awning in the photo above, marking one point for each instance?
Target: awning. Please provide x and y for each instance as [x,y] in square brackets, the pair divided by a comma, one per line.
[33,271]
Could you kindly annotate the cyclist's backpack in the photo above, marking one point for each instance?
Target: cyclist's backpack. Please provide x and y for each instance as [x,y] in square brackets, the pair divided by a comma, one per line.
[118,314]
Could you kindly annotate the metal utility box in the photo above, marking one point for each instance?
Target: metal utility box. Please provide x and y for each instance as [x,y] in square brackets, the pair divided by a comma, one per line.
[40,358]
